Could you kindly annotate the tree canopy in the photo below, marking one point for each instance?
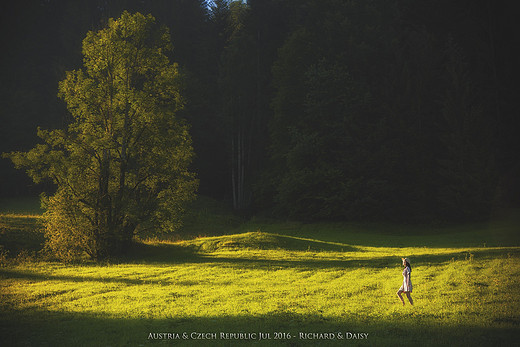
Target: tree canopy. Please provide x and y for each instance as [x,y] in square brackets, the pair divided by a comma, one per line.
[121,164]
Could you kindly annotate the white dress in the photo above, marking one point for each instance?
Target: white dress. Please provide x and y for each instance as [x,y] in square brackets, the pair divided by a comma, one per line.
[407,281]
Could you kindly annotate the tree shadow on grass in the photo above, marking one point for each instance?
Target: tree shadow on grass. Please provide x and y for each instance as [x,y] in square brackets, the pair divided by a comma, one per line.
[281,328]
[371,263]
[158,255]
[266,241]
[297,252]
[36,276]
[175,254]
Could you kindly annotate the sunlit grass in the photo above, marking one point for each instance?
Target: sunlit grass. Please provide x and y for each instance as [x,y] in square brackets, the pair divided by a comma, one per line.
[270,277]
[271,282]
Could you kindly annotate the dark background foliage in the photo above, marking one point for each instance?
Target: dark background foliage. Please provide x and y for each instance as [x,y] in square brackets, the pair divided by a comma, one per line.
[312,110]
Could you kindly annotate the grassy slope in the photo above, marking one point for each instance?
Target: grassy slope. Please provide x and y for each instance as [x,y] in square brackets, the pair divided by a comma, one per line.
[276,277]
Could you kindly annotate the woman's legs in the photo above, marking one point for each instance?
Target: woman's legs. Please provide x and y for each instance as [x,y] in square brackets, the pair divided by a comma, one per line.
[409,296]
[399,295]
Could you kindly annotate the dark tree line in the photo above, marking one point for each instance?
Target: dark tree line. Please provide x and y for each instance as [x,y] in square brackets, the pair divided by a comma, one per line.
[315,110]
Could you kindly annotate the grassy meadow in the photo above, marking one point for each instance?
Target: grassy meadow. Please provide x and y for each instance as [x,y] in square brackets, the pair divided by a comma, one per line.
[225,275]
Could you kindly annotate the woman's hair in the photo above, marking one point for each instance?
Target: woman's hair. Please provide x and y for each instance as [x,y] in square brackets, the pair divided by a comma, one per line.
[408,265]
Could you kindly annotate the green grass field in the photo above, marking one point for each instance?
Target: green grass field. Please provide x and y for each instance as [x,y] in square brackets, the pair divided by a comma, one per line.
[279,279]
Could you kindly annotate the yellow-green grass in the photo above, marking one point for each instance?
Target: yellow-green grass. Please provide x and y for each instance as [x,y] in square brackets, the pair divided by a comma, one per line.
[462,295]
[276,278]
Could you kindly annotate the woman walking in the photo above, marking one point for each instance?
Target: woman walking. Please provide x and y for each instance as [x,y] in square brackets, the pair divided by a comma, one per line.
[407,282]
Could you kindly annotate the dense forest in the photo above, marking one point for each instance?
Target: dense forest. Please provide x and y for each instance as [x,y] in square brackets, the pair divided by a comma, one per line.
[306,109]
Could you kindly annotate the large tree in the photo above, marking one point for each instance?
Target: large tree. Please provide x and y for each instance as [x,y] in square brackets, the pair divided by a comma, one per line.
[121,165]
